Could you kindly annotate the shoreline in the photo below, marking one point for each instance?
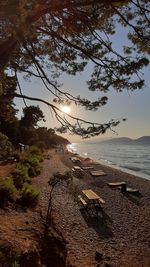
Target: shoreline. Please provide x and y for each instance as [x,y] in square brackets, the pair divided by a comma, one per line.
[129,177]
[128,171]
[113,166]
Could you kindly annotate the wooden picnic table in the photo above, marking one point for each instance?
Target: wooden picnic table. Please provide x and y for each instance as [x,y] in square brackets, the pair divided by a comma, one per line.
[91,200]
[92,196]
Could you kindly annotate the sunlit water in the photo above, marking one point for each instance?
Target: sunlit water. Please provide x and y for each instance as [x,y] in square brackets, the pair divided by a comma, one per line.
[135,158]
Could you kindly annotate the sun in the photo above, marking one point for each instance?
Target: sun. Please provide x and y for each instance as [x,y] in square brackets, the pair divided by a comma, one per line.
[65,109]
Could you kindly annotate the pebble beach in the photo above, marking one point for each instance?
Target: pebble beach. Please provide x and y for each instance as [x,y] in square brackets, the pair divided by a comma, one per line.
[120,235]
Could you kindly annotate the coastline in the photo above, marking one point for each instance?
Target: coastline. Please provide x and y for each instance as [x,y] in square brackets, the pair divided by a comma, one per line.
[128,171]
[106,162]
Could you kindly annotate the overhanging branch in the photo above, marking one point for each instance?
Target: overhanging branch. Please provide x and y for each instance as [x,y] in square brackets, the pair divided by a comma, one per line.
[79,126]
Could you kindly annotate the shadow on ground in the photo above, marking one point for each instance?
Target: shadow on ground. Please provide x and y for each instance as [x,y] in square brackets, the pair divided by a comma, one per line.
[99,221]
[134,198]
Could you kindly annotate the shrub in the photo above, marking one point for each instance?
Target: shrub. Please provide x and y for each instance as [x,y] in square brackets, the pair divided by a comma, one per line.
[17,155]
[9,257]
[41,145]
[30,195]
[8,191]
[34,150]
[33,172]
[20,175]
[6,147]
[20,156]
[35,167]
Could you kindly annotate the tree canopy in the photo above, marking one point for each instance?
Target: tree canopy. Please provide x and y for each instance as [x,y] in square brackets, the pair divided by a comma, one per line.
[32,115]
[44,38]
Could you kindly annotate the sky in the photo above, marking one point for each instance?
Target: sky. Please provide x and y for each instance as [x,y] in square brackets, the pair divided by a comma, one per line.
[134,106]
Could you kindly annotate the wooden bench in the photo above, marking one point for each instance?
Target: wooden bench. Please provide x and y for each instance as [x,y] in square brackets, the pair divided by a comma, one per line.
[98,173]
[82,201]
[102,201]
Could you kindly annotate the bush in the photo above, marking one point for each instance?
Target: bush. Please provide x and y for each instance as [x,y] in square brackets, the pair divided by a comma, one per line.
[6,147]
[32,172]
[20,175]
[17,155]
[41,145]
[9,257]
[8,191]
[35,150]
[35,167]
[30,195]
[20,156]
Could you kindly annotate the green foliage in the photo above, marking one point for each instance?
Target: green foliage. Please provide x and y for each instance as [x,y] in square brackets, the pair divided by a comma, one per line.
[8,191]
[34,163]
[8,87]
[6,147]
[32,115]
[18,156]
[34,150]
[20,175]
[41,145]
[29,195]
[29,166]
[36,153]
[9,257]
[58,177]
[28,135]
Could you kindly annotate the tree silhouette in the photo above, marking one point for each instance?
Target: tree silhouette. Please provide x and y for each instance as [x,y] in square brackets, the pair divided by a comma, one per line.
[64,36]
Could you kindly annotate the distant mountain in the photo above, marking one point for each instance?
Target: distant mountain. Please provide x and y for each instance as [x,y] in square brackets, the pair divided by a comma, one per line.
[144,140]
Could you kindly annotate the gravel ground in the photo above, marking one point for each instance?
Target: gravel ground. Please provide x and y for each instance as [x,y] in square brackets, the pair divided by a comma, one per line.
[119,235]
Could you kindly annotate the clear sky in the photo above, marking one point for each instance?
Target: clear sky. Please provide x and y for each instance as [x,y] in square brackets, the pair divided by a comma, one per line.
[134,106]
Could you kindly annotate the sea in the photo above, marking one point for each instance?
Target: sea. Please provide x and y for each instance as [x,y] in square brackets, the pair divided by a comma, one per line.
[134,159]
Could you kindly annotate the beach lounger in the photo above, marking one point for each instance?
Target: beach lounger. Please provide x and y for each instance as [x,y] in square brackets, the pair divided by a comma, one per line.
[123,187]
[77,168]
[116,184]
[87,168]
[75,160]
[132,190]
[98,173]
[87,161]
[95,163]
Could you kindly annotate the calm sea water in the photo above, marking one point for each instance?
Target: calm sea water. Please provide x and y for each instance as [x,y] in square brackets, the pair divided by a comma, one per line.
[132,158]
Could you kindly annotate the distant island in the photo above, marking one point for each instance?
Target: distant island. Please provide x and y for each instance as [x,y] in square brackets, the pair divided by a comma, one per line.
[144,140]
